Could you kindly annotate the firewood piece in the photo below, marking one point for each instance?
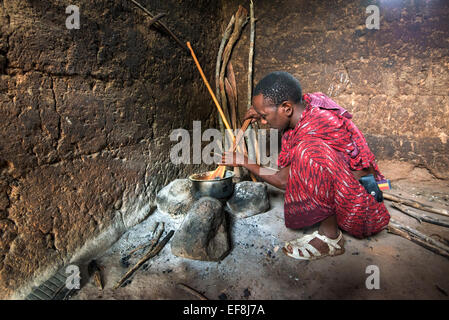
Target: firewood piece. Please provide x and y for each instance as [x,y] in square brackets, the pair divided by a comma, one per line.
[234,103]
[192,291]
[224,40]
[417,234]
[251,54]
[240,22]
[420,217]
[151,253]
[95,270]
[416,204]
[441,239]
[146,244]
[392,228]
[155,227]
[232,98]
[232,107]
[252,144]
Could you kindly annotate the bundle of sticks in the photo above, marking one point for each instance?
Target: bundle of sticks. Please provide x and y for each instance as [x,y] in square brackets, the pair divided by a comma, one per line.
[225,81]
[440,245]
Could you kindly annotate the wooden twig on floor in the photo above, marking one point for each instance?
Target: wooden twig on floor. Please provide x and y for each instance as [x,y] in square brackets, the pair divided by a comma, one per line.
[420,235]
[441,239]
[95,270]
[151,244]
[393,228]
[154,250]
[416,204]
[192,291]
[420,217]
[161,24]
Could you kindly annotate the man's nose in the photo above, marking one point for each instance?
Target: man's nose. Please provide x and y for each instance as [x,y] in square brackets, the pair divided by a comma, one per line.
[263,121]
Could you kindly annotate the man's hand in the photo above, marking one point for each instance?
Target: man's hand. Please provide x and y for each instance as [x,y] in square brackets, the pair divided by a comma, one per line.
[251,114]
[233,159]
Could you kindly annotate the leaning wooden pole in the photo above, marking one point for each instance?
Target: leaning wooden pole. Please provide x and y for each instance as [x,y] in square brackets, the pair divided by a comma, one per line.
[220,171]
[224,40]
[220,110]
[252,144]
[240,21]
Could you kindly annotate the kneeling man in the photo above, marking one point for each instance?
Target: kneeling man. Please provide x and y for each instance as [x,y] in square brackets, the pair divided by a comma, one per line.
[322,159]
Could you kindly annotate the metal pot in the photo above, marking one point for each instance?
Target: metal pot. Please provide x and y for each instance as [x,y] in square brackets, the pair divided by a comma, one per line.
[218,188]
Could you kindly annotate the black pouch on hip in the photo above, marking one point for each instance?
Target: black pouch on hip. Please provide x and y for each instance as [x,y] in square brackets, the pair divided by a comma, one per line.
[370,184]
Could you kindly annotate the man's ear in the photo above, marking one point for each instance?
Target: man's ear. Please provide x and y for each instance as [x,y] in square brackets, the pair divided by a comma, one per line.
[287,108]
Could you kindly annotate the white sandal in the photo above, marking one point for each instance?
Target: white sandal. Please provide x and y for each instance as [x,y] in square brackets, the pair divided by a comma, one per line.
[302,245]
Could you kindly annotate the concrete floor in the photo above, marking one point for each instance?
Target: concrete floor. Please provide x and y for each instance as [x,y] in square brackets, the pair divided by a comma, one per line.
[256,268]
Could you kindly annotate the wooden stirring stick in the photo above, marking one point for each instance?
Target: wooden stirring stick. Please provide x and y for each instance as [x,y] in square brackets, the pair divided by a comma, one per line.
[219,172]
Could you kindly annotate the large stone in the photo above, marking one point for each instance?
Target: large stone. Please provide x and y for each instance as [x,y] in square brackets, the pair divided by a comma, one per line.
[176,198]
[249,198]
[203,234]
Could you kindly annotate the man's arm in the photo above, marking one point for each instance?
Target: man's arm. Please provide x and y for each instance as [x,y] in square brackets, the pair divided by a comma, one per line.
[277,178]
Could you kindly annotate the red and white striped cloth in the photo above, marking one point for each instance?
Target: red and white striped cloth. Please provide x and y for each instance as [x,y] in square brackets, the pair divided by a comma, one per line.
[322,150]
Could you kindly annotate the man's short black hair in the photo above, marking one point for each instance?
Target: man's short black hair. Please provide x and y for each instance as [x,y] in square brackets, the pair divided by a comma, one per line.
[279,86]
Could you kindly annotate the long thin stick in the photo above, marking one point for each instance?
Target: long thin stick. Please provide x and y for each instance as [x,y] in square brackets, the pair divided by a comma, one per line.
[231,87]
[397,231]
[221,169]
[154,251]
[225,38]
[251,54]
[415,233]
[151,244]
[420,217]
[416,204]
[160,23]
[192,291]
[210,90]
[252,144]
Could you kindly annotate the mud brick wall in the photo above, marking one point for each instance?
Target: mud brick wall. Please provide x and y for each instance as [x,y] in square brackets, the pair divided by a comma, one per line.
[394,80]
[85,117]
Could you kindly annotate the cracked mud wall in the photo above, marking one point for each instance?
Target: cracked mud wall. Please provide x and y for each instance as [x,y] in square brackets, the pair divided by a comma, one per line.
[394,80]
[85,118]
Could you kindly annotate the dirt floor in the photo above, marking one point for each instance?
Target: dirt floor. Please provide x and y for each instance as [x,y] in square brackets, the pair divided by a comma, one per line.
[256,268]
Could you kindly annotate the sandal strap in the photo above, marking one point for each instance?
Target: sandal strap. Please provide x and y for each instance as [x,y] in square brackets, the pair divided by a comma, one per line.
[308,247]
[303,246]
[332,243]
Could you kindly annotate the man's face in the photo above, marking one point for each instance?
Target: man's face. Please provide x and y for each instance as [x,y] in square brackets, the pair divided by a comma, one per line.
[274,116]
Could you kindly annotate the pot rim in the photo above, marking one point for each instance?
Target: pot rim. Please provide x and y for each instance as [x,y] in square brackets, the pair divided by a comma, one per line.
[230,175]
